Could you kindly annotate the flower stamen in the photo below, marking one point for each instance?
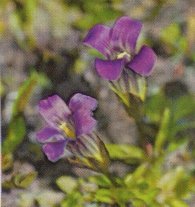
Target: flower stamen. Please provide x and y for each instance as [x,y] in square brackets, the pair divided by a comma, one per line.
[68,129]
[124,55]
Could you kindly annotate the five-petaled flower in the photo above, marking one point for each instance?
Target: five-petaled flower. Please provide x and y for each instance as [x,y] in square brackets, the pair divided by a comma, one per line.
[65,124]
[118,45]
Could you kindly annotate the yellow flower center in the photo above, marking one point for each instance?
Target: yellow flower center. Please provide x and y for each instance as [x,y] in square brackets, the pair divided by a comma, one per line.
[123,54]
[68,129]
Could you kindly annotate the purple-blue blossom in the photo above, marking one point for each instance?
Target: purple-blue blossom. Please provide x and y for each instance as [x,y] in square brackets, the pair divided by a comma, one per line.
[65,123]
[118,45]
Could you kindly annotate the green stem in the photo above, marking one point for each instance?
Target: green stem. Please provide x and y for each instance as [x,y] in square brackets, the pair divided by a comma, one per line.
[133,105]
[136,112]
[143,141]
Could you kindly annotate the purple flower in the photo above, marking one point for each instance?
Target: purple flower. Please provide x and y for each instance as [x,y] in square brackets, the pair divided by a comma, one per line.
[118,45]
[65,123]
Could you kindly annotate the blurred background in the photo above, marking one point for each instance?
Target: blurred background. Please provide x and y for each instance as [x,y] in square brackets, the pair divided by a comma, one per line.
[41,53]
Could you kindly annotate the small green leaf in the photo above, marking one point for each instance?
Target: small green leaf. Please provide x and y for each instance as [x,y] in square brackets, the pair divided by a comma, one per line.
[8,184]
[26,199]
[171,179]
[164,131]
[66,183]
[171,33]
[17,129]
[49,198]
[154,106]
[122,195]
[2,87]
[26,90]
[23,181]
[16,132]
[104,195]
[177,143]
[177,203]
[96,12]
[142,87]
[128,153]
[7,161]
[136,202]
[100,180]
[184,106]
[172,36]
[73,199]
[122,96]
[88,186]
[136,175]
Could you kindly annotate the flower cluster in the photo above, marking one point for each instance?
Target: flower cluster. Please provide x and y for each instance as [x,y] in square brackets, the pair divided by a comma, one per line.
[72,126]
[118,45]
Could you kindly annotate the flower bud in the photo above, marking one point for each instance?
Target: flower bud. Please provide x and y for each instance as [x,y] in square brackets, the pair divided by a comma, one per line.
[89,151]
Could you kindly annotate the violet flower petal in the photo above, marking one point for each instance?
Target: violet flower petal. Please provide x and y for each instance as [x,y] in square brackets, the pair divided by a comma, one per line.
[124,34]
[54,151]
[48,134]
[79,101]
[109,69]
[84,122]
[98,38]
[53,109]
[143,62]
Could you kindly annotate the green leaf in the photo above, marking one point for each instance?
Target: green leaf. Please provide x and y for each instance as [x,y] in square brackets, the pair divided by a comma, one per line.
[128,153]
[142,87]
[100,180]
[136,202]
[96,12]
[172,36]
[7,161]
[17,129]
[183,113]
[73,199]
[30,11]
[26,199]
[16,132]
[8,184]
[123,97]
[136,175]
[104,196]
[67,184]
[2,88]
[191,31]
[39,197]
[154,106]
[49,198]
[16,25]
[177,143]
[20,180]
[122,195]
[26,90]
[184,106]
[164,131]
[24,180]
[178,203]
[171,179]
[88,186]
[147,195]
